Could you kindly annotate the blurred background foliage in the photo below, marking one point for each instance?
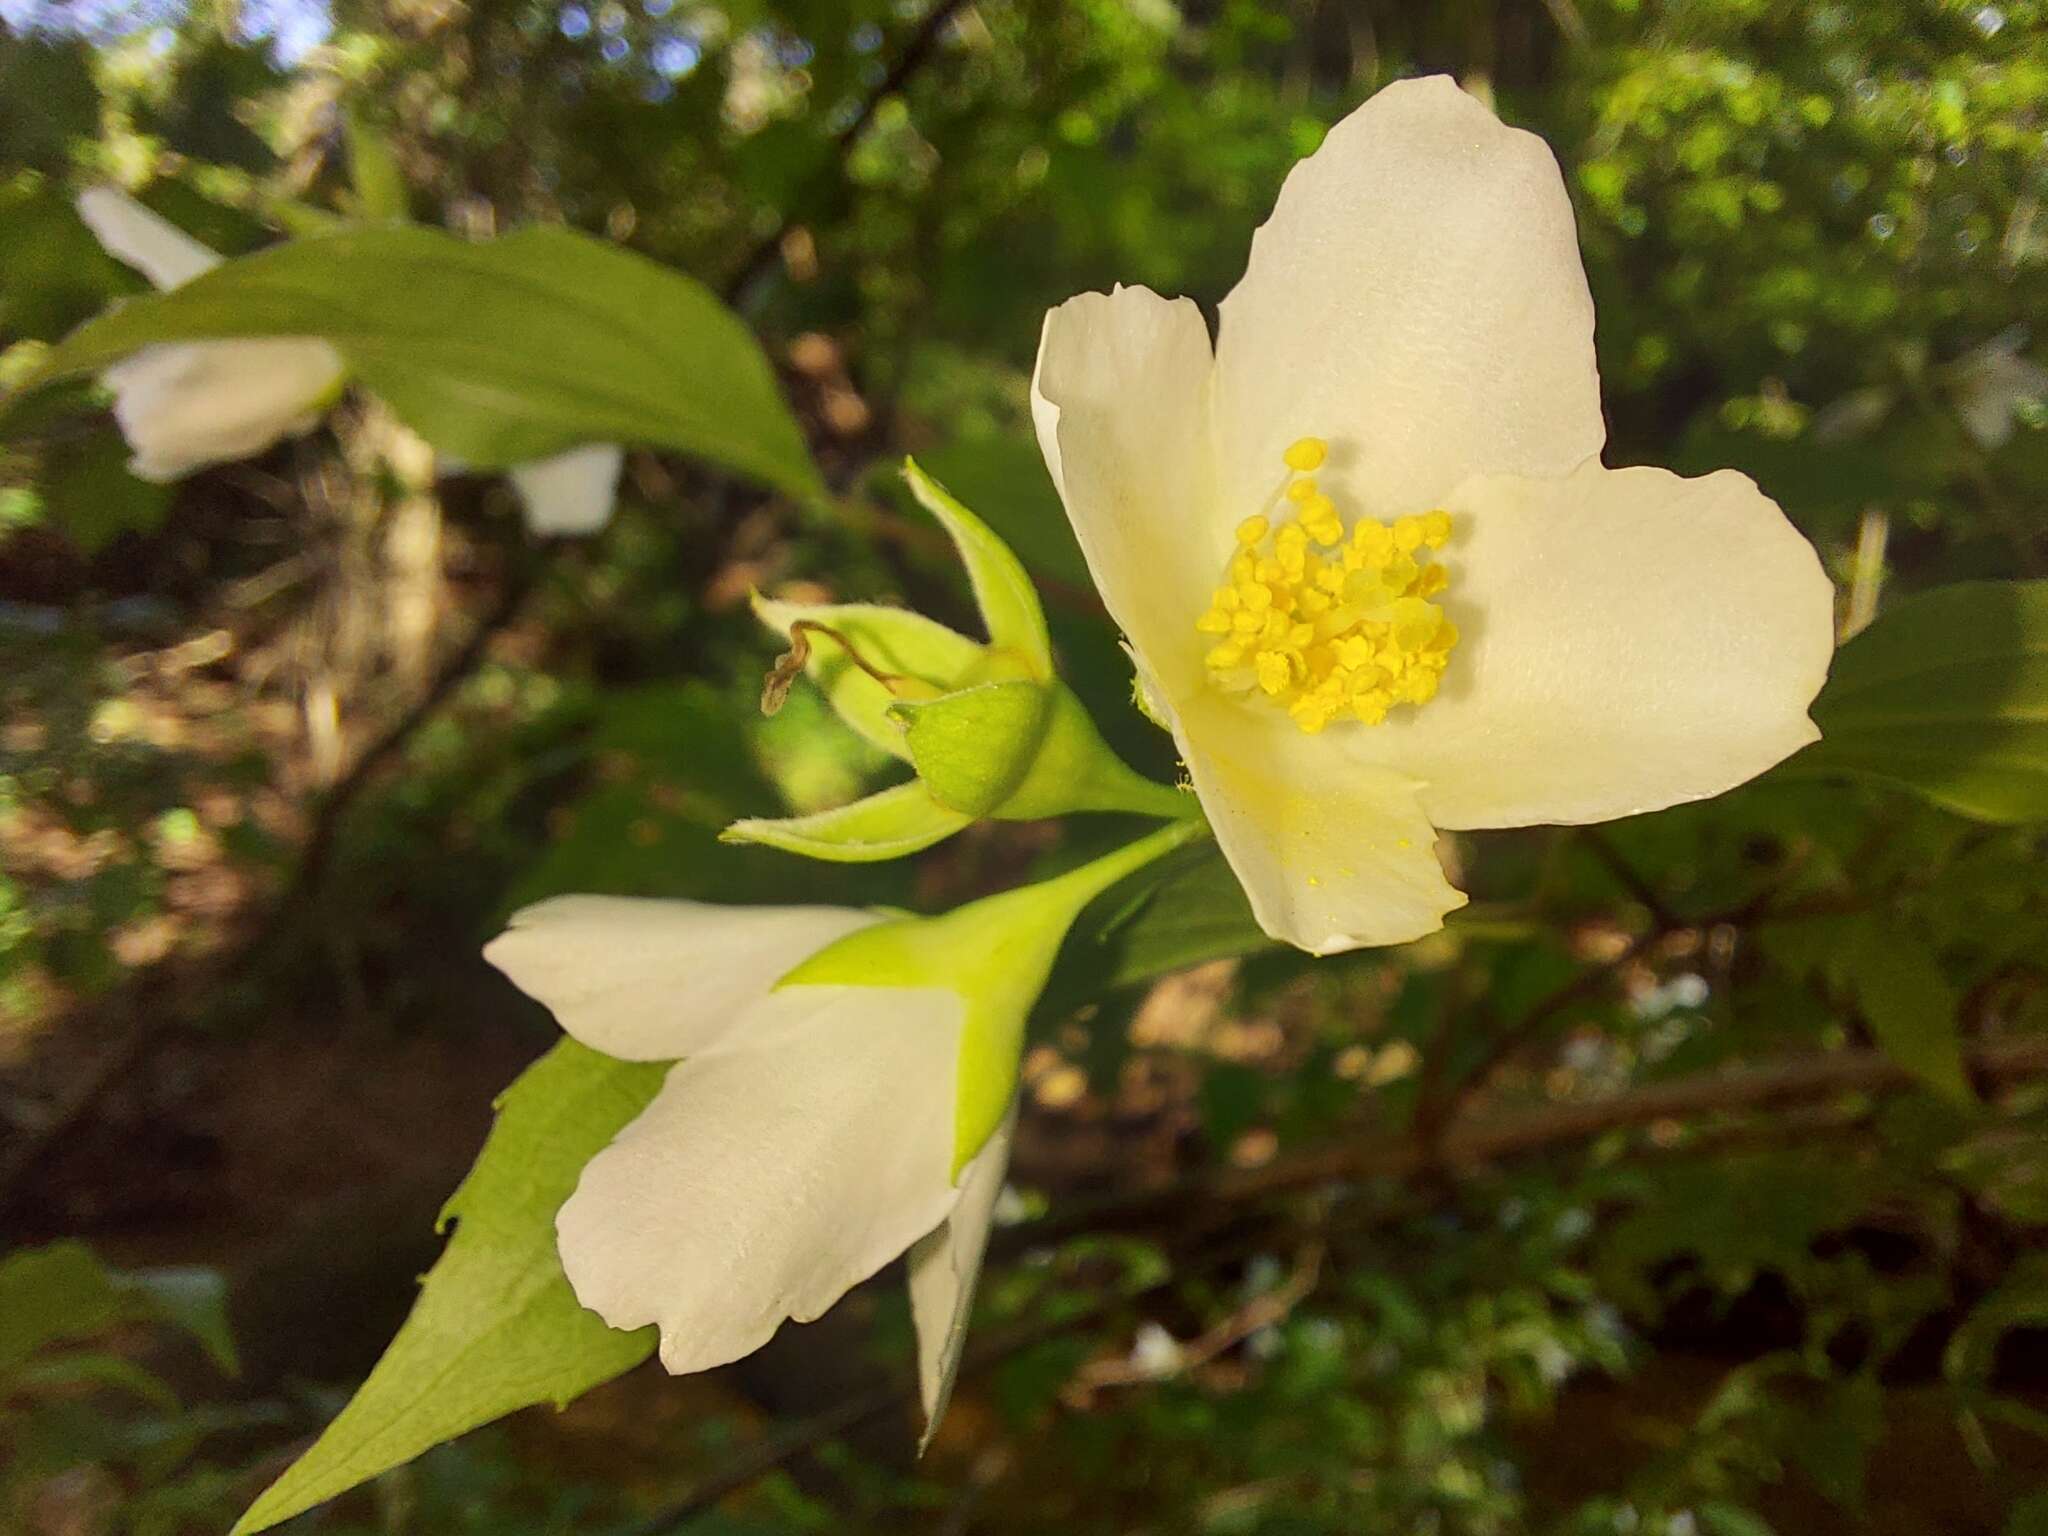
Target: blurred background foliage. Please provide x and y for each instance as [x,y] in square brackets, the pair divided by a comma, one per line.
[1691,1182]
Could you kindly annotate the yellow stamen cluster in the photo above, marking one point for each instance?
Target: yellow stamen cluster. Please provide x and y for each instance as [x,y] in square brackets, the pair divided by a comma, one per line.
[1325,621]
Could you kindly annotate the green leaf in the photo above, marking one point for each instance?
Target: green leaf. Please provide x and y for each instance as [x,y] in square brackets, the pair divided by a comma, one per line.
[1197,912]
[1004,479]
[2020,1301]
[1718,1519]
[496,1326]
[1908,1003]
[496,351]
[1946,694]
[56,274]
[379,183]
[193,1298]
[47,99]
[71,1371]
[1007,600]
[63,1293]
[88,492]
[890,640]
[52,1295]
[889,824]
[2029,1517]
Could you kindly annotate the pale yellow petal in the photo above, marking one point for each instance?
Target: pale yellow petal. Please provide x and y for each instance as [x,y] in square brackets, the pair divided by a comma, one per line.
[1417,299]
[1333,853]
[185,405]
[142,238]
[1629,640]
[1120,398]
[773,1174]
[570,493]
[651,980]
[944,1266]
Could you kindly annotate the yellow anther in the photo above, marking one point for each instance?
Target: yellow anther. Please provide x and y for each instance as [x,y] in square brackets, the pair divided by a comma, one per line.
[1373,543]
[1417,686]
[1319,517]
[1290,548]
[1331,622]
[1305,454]
[1311,714]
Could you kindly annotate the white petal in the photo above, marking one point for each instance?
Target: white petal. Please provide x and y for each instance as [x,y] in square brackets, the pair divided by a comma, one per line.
[572,492]
[1993,384]
[771,1175]
[1333,853]
[144,240]
[1120,398]
[184,405]
[1629,639]
[1417,299]
[944,1266]
[653,980]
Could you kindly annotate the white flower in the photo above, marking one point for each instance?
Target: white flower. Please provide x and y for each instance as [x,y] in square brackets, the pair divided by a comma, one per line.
[185,405]
[806,1140]
[808,1136]
[1994,384]
[1407,368]
[572,492]
[844,1089]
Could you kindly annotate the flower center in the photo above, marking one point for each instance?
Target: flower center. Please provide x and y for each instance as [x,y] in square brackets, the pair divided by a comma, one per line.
[1325,619]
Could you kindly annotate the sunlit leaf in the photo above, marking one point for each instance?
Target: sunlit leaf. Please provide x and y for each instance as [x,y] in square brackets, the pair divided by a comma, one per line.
[1946,695]
[496,1326]
[496,351]
[888,824]
[1004,594]
[1908,1003]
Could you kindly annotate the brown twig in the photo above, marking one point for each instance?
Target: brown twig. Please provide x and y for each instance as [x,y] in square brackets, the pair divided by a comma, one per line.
[1472,1142]
[1264,1310]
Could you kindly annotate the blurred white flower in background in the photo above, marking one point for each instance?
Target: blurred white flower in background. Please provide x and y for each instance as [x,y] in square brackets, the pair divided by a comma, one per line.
[185,405]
